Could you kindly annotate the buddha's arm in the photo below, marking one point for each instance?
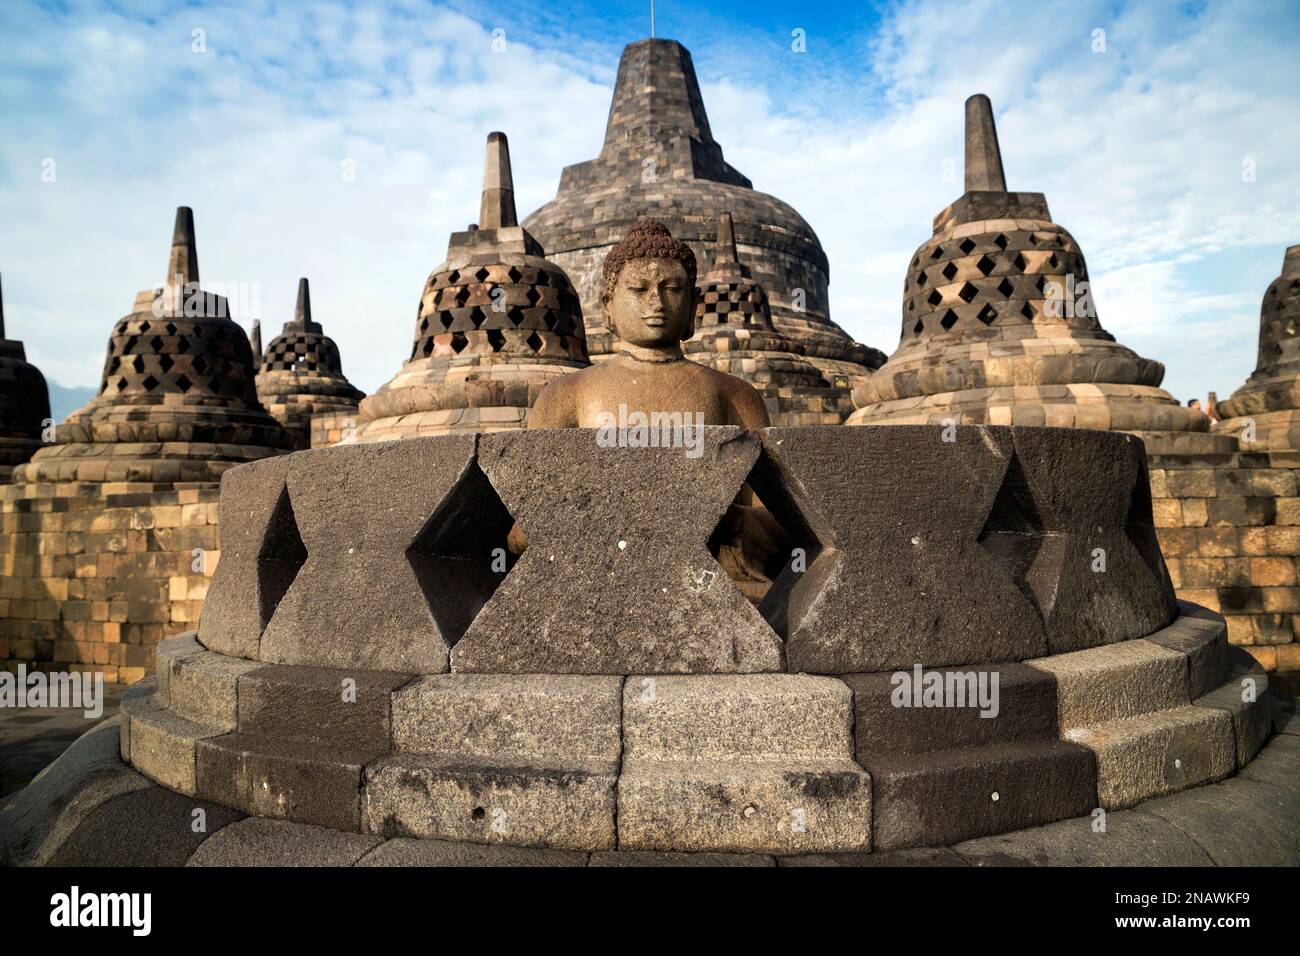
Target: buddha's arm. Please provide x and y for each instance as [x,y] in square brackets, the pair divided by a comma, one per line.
[747,408]
[556,406]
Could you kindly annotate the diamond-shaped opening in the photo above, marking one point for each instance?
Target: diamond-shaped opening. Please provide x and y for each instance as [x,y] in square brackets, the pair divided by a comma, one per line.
[156,343]
[949,319]
[987,314]
[280,557]
[458,342]
[949,271]
[919,327]
[968,292]
[1053,261]
[166,362]
[460,556]
[428,347]
[938,253]
[477,315]
[150,383]
[462,295]
[1033,239]
[1006,288]
[543,277]
[935,297]
[482,274]
[144,327]
[171,329]
[1019,262]
[515,314]
[533,296]
[766,546]
[920,279]
[183,383]
[966,246]
[1000,241]
[200,364]
[182,345]
[535,342]
[453,277]
[514,274]
[1014,533]
[138,363]
[985,265]
[1027,311]
[496,339]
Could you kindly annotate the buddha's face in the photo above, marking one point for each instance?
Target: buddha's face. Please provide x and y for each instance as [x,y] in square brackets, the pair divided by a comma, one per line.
[653,303]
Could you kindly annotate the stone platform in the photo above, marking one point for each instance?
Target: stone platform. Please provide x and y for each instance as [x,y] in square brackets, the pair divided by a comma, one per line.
[373,667]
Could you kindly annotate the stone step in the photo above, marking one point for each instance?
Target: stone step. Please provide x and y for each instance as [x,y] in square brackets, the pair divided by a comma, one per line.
[1202,636]
[941,797]
[1244,695]
[1154,754]
[162,744]
[543,719]
[302,781]
[199,684]
[346,708]
[477,800]
[891,715]
[1115,682]
[737,717]
[759,806]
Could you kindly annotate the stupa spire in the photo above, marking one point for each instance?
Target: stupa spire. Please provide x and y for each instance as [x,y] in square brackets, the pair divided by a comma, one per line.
[183,262]
[726,254]
[497,209]
[255,341]
[983,158]
[656,88]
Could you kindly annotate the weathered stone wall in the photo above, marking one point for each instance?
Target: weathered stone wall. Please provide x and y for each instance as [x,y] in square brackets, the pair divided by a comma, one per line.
[1229,527]
[92,576]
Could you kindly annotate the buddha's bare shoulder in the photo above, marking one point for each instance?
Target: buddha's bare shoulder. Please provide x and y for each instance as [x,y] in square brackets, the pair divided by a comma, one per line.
[743,399]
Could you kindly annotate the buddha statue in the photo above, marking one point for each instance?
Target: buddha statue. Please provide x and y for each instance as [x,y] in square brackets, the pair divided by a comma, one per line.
[649,303]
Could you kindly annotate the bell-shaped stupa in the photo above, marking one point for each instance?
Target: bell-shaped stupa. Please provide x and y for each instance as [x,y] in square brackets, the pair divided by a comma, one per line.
[734,334]
[1265,412]
[24,403]
[497,321]
[302,375]
[177,401]
[999,326]
[659,159]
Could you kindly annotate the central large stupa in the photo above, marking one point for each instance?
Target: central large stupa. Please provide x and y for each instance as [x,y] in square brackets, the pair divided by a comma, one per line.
[660,159]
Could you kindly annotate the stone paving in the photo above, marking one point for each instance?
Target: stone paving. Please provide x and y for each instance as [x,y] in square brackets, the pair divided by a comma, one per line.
[31,739]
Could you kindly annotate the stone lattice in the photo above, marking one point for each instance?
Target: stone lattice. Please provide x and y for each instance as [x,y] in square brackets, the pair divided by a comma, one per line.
[24,403]
[110,535]
[659,159]
[998,329]
[302,375]
[735,334]
[497,322]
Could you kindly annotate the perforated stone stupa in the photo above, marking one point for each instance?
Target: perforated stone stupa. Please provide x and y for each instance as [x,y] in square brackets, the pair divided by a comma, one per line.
[659,159]
[111,533]
[1270,399]
[302,374]
[734,334]
[497,321]
[24,403]
[997,328]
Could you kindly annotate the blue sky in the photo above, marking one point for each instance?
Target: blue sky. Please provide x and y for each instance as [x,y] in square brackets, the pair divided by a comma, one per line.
[1140,149]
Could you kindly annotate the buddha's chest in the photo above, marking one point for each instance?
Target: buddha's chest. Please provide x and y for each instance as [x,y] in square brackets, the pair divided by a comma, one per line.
[662,390]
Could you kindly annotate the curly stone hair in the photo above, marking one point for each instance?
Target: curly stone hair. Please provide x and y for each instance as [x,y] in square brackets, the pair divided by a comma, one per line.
[647,239]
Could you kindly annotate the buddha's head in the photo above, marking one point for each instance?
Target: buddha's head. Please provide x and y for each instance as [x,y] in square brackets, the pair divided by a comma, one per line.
[649,296]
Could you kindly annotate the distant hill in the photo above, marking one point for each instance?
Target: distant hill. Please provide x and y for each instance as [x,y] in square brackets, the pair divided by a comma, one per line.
[64,400]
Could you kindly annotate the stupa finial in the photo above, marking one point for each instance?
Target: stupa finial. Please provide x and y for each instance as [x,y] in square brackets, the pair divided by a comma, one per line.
[497,210]
[302,311]
[1290,267]
[726,254]
[983,158]
[183,263]
[255,340]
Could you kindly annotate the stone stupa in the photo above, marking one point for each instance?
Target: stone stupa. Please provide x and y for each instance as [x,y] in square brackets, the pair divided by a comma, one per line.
[497,321]
[1264,414]
[24,403]
[734,334]
[998,328]
[659,159]
[115,533]
[302,375]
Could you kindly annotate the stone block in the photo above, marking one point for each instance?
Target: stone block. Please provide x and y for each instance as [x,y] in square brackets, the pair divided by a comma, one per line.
[754,806]
[253,574]
[1202,637]
[373,589]
[591,530]
[199,684]
[736,717]
[945,796]
[259,842]
[406,852]
[1244,695]
[163,744]
[1239,822]
[492,801]
[285,780]
[1026,710]
[1116,681]
[550,717]
[339,707]
[1158,753]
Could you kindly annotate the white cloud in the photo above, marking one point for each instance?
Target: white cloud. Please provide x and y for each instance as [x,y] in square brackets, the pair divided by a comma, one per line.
[1139,150]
